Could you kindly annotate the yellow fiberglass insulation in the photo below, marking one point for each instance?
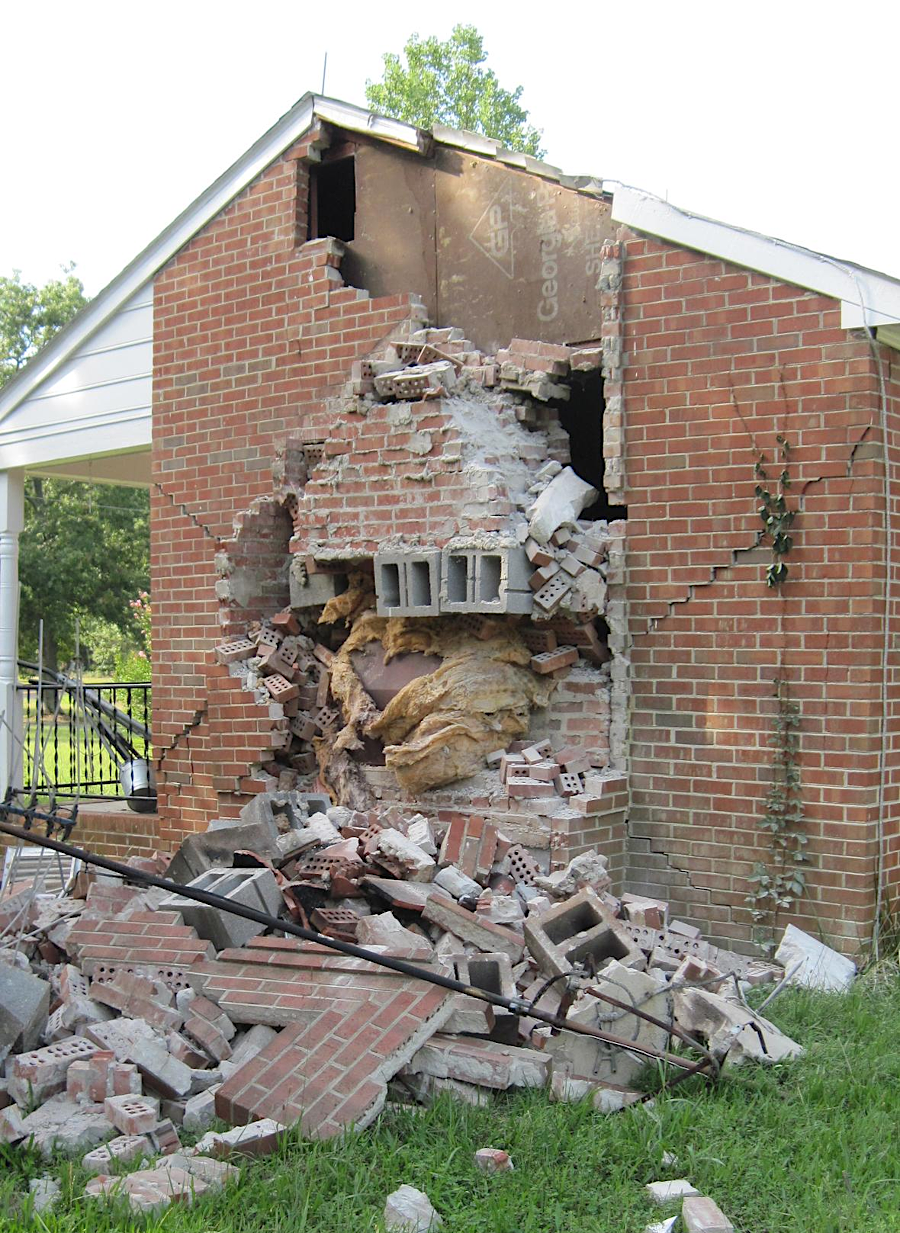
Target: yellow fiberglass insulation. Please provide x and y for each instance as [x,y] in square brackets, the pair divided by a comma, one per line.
[439,727]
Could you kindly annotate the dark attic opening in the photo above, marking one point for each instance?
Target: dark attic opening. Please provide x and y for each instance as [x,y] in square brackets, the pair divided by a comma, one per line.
[332,198]
[582,418]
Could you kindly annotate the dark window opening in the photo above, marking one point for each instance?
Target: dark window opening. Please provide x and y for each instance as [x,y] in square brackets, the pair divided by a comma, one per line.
[582,419]
[332,199]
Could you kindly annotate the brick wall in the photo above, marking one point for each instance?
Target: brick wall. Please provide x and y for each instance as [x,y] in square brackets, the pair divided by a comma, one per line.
[890,374]
[719,361]
[253,330]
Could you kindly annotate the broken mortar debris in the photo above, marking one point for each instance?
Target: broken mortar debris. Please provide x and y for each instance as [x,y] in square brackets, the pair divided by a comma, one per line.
[199,1031]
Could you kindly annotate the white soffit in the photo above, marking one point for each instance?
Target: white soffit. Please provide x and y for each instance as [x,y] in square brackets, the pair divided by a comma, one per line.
[867,298]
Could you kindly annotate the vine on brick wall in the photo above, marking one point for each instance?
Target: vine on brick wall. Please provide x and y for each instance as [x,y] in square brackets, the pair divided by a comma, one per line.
[778,885]
[777,517]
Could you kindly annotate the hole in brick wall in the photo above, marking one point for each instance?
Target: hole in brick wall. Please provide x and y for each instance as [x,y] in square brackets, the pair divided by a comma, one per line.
[489,579]
[389,585]
[332,199]
[419,578]
[458,580]
[582,419]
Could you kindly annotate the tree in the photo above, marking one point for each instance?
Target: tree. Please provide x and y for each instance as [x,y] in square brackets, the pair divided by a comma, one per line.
[445,83]
[84,552]
[30,316]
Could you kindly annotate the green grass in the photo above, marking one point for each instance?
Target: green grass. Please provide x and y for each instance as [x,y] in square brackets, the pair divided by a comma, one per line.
[810,1146]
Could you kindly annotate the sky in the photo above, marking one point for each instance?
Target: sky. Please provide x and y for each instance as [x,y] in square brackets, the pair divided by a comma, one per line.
[772,116]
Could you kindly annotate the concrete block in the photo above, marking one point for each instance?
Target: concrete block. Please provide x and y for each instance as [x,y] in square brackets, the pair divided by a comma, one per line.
[24,1008]
[578,931]
[475,578]
[213,1173]
[407,582]
[257,1138]
[255,888]
[44,1192]
[211,849]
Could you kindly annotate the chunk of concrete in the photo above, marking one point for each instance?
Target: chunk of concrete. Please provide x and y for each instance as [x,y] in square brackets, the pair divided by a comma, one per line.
[480,933]
[257,1138]
[24,1009]
[160,1071]
[200,1110]
[668,1192]
[820,967]
[213,1173]
[731,1029]
[408,1210]
[563,500]
[585,1057]
[60,1124]
[44,1191]
[385,932]
[402,857]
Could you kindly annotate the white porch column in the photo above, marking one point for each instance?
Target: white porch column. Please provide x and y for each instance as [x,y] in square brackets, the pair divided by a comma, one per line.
[12,519]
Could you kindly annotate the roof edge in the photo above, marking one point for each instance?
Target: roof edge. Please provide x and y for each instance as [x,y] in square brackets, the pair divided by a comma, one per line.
[868,298]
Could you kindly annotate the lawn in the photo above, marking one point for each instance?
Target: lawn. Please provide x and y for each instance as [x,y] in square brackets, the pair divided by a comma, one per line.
[805,1147]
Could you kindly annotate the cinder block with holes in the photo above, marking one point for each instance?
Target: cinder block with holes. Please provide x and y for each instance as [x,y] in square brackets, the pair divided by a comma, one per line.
[407,582]
[579,932]
[253,888]
[479,579]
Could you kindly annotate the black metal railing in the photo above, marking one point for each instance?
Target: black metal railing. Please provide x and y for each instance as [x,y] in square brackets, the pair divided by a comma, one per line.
[82,750]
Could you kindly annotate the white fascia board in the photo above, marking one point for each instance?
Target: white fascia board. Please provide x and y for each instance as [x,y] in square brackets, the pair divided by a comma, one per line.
[866,297]
[358,120]
[78,438]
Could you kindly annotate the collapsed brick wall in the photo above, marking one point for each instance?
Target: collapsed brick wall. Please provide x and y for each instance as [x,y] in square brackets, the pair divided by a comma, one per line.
[719,359]
[252,330]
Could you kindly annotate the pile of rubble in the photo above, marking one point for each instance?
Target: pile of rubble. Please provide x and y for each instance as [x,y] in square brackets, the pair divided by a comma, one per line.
[128,1014]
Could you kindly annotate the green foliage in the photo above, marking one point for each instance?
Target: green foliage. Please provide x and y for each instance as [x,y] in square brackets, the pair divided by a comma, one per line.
[30,315]
[446,83]
[778,888]
[85,552]
[777,518]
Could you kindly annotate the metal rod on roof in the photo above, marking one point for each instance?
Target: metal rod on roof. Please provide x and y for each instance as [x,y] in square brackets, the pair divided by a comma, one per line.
[516,1006]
